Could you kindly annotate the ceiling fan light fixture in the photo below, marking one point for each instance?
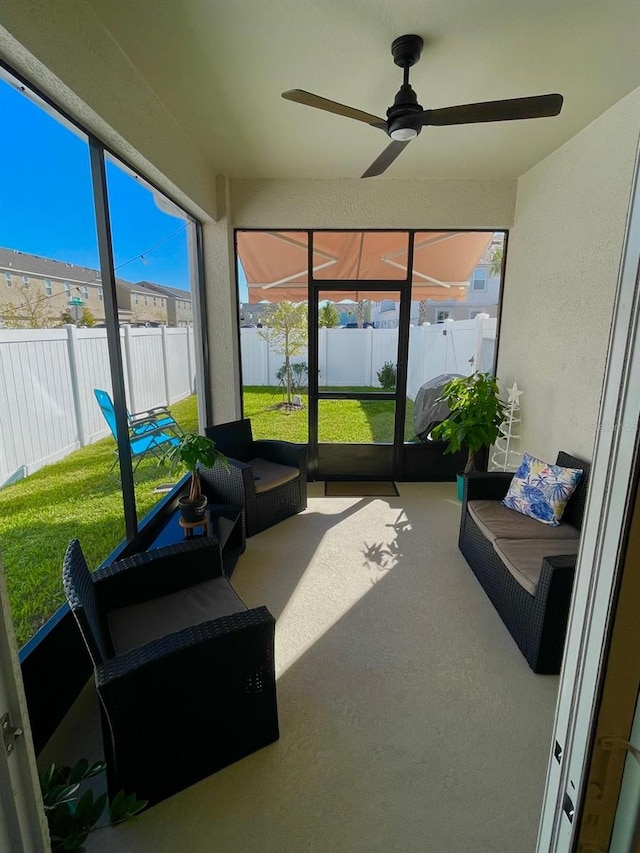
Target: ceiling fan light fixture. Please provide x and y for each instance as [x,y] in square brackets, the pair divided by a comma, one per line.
[404,134]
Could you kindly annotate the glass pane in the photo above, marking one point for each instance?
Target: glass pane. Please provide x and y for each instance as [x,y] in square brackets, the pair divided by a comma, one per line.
[356,421]
[360,255]
[454,335]
[54,451]
[153,247]
[356,350]
[273,334]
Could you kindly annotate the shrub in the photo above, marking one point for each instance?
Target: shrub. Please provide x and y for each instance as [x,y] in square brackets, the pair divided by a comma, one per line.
[387,376]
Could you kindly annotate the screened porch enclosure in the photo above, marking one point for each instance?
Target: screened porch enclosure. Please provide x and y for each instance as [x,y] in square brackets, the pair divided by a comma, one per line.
[379,313]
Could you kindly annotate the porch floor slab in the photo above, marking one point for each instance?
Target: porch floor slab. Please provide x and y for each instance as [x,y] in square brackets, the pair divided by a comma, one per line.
[409,719]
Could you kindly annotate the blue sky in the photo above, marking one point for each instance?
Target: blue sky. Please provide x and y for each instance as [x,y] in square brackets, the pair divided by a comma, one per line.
[46,203]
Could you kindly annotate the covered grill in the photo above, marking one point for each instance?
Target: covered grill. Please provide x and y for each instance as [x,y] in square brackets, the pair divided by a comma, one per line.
[428,410]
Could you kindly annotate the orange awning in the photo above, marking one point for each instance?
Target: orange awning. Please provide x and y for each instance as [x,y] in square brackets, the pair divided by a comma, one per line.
[276,262]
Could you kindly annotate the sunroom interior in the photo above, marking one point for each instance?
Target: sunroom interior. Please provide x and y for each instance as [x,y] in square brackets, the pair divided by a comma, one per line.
[188,95]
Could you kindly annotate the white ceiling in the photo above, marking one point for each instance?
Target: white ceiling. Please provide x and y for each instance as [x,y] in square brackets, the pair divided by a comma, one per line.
[219,68]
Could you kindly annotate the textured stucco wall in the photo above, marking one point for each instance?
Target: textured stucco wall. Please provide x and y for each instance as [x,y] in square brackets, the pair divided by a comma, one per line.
[562,268]
[372,203]
[65,51]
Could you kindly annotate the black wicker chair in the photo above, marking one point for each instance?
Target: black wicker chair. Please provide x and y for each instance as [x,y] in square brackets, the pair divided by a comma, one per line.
[268,478]
[537,622]
[184,671]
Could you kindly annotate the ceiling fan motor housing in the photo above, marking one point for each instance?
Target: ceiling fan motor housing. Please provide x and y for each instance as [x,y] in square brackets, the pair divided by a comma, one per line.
[406,112]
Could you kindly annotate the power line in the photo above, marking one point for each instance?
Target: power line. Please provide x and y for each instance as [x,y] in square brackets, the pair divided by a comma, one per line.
[98,275]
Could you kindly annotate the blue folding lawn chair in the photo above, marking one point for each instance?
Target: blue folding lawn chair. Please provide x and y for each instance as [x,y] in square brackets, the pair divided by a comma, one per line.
[149,435]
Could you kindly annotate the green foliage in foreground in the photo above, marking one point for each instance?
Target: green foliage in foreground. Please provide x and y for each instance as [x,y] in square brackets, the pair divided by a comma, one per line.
[71,817]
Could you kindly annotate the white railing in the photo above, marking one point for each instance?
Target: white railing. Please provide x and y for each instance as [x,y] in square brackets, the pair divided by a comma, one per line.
[348,357]
[47,377]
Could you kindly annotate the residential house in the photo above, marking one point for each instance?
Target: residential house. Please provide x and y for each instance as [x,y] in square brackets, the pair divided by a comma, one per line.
[50,286]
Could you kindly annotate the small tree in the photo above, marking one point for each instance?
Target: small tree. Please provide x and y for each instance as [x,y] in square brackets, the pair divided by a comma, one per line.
[284,327]
[495,263]
[86,319]
[329,317]
[32,310]
[387,376]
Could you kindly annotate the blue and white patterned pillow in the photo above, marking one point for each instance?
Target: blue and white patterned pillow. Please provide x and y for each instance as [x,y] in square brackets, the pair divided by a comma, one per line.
[541,490]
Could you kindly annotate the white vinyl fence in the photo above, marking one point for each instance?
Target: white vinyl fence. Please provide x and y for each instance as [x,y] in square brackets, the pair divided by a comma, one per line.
[47,377]
[348,357]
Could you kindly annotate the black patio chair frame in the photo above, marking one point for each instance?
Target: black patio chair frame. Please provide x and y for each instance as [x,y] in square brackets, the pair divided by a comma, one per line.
[236,485]
[179,708]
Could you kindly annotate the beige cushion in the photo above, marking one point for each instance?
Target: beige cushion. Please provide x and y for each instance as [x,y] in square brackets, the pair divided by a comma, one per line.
[497,521]
[138,624]
[523,557]
[268,475]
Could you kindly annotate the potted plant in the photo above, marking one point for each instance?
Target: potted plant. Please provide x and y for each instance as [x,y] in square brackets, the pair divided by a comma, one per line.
[476,412]
[190,451]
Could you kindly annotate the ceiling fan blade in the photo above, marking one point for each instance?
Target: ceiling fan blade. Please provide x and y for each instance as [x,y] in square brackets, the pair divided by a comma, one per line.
[382,163]
[310,100]
[508,110]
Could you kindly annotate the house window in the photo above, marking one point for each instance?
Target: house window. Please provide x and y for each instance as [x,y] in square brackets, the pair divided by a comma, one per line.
[154,300]
[146,300]
[25,279]
[135,298]
[47,286]
[441,316]
[85,291]
[100,294]
[479,281]
[67,288]
[7,275]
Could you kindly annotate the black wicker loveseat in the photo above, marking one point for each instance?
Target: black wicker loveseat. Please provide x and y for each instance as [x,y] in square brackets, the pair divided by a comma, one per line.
[525,567]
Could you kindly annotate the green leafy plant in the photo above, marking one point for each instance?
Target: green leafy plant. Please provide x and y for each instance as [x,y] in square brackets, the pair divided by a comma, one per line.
[296,375]
[72,818]
[387,375]
[190,451]
[284,327]
[328,316]
[476,415]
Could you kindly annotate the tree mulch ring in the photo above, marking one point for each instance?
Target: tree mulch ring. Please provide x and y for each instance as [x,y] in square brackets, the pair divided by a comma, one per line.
[287,407]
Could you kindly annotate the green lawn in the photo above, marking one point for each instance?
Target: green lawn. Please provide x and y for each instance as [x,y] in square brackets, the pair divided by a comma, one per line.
[339,420]
[78,497]
[73,498]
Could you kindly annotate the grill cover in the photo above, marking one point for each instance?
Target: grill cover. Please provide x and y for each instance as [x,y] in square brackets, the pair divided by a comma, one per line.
[427,411]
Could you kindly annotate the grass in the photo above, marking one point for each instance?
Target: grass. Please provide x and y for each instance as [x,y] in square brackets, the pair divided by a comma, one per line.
[77,498]
[339,420]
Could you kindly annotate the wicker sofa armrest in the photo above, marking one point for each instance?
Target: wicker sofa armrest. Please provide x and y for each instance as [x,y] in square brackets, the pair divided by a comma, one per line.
[282,452]
[552,602]
[160,571]
[486,485]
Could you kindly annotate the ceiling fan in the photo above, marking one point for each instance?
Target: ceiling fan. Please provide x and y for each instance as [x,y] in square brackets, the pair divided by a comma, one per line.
[406,118]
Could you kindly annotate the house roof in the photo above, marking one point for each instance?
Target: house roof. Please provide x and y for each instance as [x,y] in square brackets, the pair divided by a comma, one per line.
[23,263]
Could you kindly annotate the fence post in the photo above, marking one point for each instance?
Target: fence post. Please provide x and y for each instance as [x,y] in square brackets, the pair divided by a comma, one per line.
[165,364]
[129,368]
[190,364]
[72,342]
[369,355]
[479,318]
